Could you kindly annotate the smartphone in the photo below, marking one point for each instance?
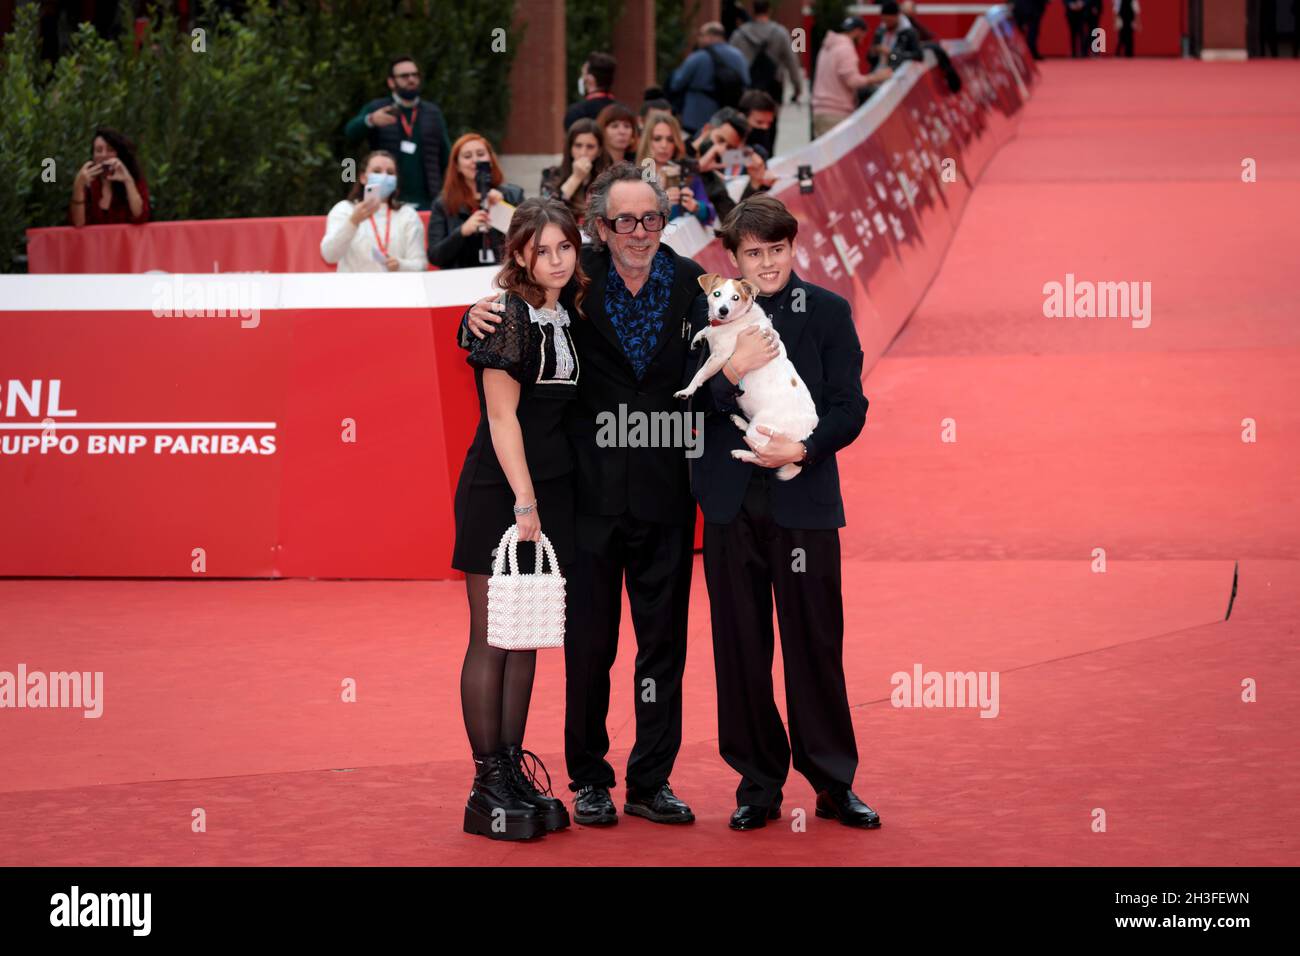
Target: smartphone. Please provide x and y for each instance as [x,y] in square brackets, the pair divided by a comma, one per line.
[371,191]
[672,176]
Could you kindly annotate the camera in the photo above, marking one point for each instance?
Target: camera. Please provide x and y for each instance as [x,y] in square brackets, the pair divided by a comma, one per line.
[805,176]
[483,180]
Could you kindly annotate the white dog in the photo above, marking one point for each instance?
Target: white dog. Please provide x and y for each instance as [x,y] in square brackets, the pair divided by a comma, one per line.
[774,395]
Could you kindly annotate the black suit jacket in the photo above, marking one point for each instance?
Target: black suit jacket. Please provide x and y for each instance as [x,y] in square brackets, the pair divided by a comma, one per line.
[652,484]
[822,342]
[907,46]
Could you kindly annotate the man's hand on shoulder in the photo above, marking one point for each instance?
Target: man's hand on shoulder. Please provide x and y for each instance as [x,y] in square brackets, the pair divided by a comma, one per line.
[484,315]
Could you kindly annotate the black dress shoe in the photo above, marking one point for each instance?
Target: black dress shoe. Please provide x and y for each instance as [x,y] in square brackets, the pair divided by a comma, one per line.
[751,817]
[593,807]
[660,805]
[843,804]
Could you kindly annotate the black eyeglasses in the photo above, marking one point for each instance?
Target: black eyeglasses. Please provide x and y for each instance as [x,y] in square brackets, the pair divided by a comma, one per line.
[651,221]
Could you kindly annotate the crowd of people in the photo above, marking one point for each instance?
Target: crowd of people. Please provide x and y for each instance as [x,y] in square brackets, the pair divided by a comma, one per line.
[710,126]
[708,134]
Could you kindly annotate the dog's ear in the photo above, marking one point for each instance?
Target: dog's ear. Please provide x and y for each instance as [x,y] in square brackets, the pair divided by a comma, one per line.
[749,288]
[707,280]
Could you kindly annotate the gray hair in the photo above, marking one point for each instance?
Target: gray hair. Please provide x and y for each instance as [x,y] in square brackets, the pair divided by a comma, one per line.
[598,196]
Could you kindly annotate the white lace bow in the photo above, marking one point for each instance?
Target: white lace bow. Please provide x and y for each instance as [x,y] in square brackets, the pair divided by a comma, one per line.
[557,319]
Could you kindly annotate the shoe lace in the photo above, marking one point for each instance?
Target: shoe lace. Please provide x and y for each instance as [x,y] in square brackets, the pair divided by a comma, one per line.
[529,774]
[524,777]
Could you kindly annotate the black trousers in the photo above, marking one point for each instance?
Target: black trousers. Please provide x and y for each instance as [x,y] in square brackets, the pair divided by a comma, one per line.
[745,563]
[1028,21]
[1125,47]
[1079,39]
[656,560]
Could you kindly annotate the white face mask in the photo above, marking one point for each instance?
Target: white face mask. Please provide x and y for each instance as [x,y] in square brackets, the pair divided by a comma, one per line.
[582,86]
[385,183]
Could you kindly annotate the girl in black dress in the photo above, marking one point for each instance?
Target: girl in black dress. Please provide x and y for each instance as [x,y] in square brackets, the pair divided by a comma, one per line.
[518,468]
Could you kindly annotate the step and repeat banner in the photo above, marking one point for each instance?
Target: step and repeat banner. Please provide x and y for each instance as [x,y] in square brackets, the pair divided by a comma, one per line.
[246,424]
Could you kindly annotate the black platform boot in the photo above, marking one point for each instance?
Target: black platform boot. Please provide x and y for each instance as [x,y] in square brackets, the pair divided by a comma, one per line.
[495,808]
[553,811]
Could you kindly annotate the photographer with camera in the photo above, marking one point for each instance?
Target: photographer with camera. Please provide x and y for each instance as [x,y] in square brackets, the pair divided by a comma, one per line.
[460,235]
[676,171]
[725,133]
[109,188]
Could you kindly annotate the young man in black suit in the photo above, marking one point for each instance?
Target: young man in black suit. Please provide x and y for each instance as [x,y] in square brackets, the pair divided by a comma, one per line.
[765,537]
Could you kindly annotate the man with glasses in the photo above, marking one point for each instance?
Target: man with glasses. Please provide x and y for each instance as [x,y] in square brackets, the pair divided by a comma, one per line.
[636,517]
[410,128]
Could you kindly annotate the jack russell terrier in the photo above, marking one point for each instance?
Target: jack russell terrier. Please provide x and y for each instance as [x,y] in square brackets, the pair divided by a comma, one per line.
[775,396]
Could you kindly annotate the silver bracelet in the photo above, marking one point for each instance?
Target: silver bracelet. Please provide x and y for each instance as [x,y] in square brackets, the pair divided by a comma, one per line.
[526,509]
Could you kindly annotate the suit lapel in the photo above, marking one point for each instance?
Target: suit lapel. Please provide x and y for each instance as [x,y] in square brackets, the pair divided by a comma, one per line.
[788,323]
[679,297]
[597,266]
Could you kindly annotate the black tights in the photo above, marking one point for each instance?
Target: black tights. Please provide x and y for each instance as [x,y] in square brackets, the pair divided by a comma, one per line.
[495,685]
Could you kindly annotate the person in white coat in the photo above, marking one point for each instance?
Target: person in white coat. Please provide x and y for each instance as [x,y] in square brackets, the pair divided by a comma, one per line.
[372,230]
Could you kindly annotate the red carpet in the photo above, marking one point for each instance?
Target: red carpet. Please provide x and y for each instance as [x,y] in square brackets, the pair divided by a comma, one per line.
[1119,691]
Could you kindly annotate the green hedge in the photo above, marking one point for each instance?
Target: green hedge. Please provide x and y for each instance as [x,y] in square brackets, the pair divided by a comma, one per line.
[251,126]
[589,26]
[673,36]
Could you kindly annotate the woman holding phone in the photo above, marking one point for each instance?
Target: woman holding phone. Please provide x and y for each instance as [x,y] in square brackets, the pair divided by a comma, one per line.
[371,230]
[108,188]
[519,467]
[663,144]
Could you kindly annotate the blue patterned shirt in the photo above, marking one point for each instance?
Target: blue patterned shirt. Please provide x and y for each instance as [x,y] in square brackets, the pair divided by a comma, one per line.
[638,319]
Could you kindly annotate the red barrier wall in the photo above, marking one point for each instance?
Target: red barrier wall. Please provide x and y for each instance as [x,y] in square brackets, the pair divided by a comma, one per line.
[308,354]
[283,244]
[296,500]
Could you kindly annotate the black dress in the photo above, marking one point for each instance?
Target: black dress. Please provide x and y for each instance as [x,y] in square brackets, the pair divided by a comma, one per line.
[536,348]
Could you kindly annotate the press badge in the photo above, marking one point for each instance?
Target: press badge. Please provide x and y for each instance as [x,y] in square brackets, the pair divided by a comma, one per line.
[408,146]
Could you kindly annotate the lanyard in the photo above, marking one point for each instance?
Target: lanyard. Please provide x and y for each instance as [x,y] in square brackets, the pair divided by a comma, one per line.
[388,222]
[409,126]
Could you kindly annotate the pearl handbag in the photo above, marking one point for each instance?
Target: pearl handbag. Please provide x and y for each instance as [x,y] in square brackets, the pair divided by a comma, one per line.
[525,611]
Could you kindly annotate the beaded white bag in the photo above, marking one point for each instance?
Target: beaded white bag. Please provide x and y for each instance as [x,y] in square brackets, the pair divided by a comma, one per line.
[525,611]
